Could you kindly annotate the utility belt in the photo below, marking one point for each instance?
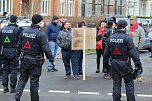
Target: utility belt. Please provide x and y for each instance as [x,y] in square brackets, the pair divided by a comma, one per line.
[38,57]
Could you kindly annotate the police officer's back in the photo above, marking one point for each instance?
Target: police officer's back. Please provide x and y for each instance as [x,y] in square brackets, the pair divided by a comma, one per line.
[120,48]
[9,37]
[31,46]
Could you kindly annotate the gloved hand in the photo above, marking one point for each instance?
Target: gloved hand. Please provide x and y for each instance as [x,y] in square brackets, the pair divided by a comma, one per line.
[52,61]
[139,67]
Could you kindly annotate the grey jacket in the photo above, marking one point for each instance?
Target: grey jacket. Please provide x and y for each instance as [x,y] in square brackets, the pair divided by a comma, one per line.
[64,39]
[138,37]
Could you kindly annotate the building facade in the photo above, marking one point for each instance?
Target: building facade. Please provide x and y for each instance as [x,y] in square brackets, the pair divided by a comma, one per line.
[77,8]
[43,7]
[139,8]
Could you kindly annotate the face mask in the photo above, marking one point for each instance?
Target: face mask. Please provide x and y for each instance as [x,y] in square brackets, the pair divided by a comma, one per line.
[41,24]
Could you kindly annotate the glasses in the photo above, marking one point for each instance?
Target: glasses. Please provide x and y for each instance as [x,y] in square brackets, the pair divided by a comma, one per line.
[132,19]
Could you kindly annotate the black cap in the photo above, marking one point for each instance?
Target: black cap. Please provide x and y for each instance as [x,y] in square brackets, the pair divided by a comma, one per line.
[121,24]
[13,18]
[54,18]
[36,18]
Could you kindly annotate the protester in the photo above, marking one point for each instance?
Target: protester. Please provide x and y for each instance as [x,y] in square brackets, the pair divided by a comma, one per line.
[52,30]
[99,48]
[137,33]
[81,25]
[68,55]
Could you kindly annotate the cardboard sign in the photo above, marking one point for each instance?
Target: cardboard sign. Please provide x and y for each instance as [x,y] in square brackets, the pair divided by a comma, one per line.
[77,38]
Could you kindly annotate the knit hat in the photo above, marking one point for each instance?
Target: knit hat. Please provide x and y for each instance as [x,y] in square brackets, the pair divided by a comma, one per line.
[121,24]
[54,18]
[13,18]
[36,18]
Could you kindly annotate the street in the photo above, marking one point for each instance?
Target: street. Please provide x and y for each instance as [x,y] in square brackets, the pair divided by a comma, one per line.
[53,86]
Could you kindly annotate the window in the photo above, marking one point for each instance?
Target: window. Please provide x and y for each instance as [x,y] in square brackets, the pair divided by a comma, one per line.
[4,6]
[70,7]
[62,7]
[150,10]
[44,7]
[93,7]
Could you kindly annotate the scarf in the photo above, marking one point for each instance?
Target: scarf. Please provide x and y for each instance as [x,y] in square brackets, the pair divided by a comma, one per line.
[133,27]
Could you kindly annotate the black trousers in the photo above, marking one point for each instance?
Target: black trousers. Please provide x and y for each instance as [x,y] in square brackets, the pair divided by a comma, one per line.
[99,52]
[10,67]
[29,69]
[118,70]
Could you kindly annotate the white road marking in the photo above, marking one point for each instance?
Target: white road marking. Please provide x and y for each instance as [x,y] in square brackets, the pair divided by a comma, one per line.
[89,93]
[1,90]
[57,91]
[29,90]
[143,95]
[110,94]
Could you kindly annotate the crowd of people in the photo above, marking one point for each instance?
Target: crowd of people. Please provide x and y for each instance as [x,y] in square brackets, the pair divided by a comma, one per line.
[112,43]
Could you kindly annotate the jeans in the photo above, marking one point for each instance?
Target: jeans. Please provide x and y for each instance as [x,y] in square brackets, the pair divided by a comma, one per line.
[80,61]
[54,50]
[72,56]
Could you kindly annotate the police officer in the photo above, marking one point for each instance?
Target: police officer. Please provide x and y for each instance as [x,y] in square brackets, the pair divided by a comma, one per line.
[9,37]
[31,46]
[109,31]
[120,48]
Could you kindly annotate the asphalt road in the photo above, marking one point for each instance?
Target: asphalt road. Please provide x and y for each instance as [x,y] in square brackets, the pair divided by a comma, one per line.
[53,86]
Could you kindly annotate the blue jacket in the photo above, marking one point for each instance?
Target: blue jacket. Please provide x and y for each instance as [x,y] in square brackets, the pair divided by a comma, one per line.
[52,31]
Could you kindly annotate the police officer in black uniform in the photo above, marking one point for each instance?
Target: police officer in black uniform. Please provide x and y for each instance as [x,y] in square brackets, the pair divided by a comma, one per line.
[9,37]
[120,48]
[31,46]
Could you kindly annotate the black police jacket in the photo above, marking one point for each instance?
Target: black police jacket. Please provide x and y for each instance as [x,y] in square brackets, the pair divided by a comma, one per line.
[33,42]
[110,31]
[9,36]
[120,46]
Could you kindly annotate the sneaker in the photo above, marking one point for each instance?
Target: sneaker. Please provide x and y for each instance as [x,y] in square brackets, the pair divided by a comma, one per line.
[97,71]
[150,56]
[139,79]
[107,76]
[67,76]
[76,77]
[54,69]
[5,89]
[49,70]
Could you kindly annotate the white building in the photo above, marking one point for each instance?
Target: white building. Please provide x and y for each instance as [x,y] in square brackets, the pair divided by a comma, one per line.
[139,8]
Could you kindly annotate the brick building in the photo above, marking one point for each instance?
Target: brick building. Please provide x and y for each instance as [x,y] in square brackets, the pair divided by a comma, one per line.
[43,7]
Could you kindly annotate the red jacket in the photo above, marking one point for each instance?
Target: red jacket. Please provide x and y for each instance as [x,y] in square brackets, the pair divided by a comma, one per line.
[99,43]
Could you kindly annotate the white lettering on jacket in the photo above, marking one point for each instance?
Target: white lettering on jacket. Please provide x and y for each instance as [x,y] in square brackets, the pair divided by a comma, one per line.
[116,40]
[7,31]
[29,35]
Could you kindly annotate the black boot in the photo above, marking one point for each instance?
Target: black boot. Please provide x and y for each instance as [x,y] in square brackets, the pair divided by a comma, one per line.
[6,89]
[12,89]
[98,69]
